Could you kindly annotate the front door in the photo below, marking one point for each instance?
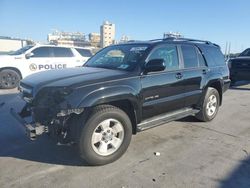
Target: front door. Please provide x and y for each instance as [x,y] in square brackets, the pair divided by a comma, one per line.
[163,91]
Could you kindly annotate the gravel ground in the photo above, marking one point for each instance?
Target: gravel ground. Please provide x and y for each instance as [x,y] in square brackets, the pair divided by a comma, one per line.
[192,153]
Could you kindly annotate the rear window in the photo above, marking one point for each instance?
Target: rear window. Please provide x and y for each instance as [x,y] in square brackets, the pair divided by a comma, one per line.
[62,52]
[189,56]
[84,52]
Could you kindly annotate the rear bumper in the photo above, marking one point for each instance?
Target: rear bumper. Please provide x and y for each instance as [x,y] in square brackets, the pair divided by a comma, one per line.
[32,130]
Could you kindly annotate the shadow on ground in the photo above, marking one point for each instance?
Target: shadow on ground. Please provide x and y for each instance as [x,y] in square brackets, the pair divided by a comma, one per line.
[43,150]
[240,177]
[14,142]
[240,86]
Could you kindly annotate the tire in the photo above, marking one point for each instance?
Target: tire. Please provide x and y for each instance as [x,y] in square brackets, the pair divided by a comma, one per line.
[9,79]
[105,136]
[210,105]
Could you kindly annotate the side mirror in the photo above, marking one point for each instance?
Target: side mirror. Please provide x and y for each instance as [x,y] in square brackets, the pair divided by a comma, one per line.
[29,55]
[155,65]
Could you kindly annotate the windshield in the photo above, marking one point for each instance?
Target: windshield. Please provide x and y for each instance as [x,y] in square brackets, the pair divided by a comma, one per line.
[121,57]
[21,50]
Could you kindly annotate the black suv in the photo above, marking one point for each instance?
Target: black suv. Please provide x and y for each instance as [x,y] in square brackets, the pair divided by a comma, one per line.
[124,89]
[240,67]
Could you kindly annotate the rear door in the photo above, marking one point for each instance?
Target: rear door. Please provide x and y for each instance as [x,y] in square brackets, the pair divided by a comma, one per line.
[63,58]
[194,73]
[163,91]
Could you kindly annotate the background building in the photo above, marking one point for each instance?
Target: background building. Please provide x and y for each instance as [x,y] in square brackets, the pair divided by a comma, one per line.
[107,31]
[68,39]
[8,44]
[95,39]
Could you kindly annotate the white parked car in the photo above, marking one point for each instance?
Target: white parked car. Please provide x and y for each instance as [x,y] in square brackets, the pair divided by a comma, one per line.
[33,59]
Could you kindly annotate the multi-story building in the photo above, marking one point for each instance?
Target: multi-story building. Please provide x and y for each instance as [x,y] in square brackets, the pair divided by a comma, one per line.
[107,31]
[68,39]
[95,39]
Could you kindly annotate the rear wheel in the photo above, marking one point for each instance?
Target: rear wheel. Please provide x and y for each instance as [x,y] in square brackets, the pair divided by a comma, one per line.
[9,79]
[105,136]
[210,105]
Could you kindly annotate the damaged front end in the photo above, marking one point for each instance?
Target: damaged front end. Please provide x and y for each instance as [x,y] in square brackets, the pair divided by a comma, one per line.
[47,112]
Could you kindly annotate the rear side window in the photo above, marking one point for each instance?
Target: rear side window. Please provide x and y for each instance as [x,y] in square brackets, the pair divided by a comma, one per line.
[41,52]
[169,54]
[62,52]
[213,55]
[84,52]
[189,56]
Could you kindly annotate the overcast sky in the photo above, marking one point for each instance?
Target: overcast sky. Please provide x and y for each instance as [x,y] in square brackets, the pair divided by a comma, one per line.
[220,21]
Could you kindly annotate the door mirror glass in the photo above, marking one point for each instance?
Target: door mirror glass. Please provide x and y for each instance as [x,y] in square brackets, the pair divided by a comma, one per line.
[29,55]
[155,65]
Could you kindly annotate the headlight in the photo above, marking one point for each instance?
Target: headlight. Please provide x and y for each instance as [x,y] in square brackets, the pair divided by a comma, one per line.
[26,93]
[25,90]
[63,113]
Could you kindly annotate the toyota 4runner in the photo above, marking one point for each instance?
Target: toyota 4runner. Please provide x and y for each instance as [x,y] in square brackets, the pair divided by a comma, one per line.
[122,90]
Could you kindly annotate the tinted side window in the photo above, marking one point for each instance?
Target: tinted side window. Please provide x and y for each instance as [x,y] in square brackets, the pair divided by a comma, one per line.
[84,52]
[62,52]
[41,52]
[169,54]
[213,55]
[189,56]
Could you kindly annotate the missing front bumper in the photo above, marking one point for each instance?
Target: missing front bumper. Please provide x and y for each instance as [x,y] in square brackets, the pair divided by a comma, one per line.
[32,130]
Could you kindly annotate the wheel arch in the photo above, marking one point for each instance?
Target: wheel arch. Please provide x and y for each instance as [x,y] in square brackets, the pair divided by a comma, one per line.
[216,84]
[13,68]
[129,108]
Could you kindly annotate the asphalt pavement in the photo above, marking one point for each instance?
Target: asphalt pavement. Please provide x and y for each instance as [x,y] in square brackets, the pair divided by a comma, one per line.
[192,153]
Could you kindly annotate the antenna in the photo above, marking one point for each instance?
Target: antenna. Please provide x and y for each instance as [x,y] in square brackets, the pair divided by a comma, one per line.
[229,50]
[226,51]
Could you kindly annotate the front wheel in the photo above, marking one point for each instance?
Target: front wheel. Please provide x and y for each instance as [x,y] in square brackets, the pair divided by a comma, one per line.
[105,136]
[9,79]
[210,105]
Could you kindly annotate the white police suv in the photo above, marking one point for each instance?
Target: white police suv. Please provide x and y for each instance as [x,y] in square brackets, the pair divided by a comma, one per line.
[32,59]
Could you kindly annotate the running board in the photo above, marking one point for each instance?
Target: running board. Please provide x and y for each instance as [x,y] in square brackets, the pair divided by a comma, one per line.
[165,118]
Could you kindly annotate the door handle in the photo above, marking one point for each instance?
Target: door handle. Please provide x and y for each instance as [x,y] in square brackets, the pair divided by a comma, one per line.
[204,71]
[178,75]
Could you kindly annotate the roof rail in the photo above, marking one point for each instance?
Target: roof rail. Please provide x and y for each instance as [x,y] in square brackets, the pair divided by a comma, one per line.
[191,40]
[133,41]
[155,40]
[188,39]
